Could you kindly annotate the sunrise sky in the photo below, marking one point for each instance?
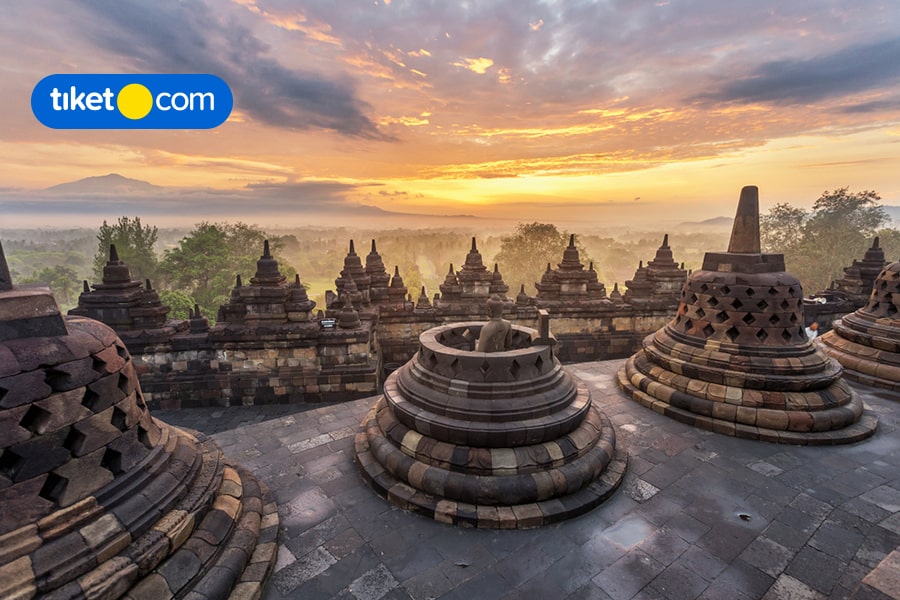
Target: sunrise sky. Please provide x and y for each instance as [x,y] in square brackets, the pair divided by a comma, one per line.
[522,109]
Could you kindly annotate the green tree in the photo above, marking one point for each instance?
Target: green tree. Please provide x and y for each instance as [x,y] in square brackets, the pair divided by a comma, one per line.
[134,244]
[819,243]
[781,228]
[524,255]
[179,303]
[204,264]
[62,280]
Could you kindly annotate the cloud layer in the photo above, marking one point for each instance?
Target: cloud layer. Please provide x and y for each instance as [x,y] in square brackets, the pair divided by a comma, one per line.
[170,36]
[412,92]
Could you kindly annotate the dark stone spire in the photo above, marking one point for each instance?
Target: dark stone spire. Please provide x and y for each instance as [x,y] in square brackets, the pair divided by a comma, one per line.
[860,276]
[126,305]
[379,280]
[571,260]
[397,280]
[569,284]
[397,290]
[473,259]
[745,231]
[498,286]
[198,322]
[349,316]
[354,270]
[5,277]
[299,302]
[115,272]
[616,295]
[423,302]
[25,313]
[522,298]
[267,272]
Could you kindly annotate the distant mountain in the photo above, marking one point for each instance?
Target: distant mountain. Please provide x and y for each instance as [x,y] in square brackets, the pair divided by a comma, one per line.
[105,184]
[715,222]
[113,194]
[893,212]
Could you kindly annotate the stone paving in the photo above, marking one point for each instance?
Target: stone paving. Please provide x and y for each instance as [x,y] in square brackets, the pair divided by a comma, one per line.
[699,515]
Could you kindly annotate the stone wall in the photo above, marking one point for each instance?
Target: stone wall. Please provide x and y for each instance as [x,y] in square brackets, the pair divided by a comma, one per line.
[198,370]
[269,347]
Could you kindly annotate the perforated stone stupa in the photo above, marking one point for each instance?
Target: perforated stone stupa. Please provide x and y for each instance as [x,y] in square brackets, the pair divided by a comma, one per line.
[98,498]
[736,360]
[505,439]
[867,342]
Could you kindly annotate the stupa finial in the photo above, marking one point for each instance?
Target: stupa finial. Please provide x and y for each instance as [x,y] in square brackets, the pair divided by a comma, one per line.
[745,232]
[113,254]
[266,253]
[571,240]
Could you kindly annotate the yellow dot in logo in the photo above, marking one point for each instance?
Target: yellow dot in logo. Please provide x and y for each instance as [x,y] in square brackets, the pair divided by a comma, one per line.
[134,101]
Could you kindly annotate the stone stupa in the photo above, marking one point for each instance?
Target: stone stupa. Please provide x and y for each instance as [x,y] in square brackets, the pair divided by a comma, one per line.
[867,342]
[736,360]
[493,439]
[98,498]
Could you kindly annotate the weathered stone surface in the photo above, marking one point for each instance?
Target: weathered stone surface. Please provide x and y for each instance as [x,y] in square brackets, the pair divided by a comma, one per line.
[867,342]
[459,432]
[740,325]
[95,493]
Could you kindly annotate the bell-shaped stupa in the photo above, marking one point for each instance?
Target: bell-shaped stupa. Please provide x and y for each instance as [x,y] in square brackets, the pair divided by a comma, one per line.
[736,359]
[867,342]
[97,498]
[484,427]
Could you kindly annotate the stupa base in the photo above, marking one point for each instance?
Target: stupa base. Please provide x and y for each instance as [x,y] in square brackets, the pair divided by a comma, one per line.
[394,474]
[724,418]
[863,364]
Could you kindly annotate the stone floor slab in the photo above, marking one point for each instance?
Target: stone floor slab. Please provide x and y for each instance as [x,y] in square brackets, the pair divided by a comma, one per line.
[810,506]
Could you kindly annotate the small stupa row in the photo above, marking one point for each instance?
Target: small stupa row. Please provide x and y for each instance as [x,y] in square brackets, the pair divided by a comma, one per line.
[736,359]
[867,341]
[369,285]
[99,499]
[483,427]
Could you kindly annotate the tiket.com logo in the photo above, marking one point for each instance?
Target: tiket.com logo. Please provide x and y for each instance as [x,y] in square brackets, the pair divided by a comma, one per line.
[131,101]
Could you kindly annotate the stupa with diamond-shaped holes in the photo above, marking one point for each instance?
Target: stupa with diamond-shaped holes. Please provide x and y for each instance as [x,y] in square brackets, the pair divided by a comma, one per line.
[98,498]
[736,359]
[867,342]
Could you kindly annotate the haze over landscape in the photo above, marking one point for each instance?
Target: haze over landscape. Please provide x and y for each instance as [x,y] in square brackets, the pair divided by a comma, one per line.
[589,112]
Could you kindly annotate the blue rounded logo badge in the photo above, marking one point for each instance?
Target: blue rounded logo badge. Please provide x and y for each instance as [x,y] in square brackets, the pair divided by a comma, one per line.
[131,101]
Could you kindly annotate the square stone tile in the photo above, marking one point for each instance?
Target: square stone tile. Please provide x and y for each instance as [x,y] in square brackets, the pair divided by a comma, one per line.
[625,577]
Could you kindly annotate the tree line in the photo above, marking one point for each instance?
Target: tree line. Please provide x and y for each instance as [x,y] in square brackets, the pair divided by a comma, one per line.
[199,265]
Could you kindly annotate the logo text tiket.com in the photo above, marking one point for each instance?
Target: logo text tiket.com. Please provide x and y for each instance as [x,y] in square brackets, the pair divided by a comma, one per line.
[131,101]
